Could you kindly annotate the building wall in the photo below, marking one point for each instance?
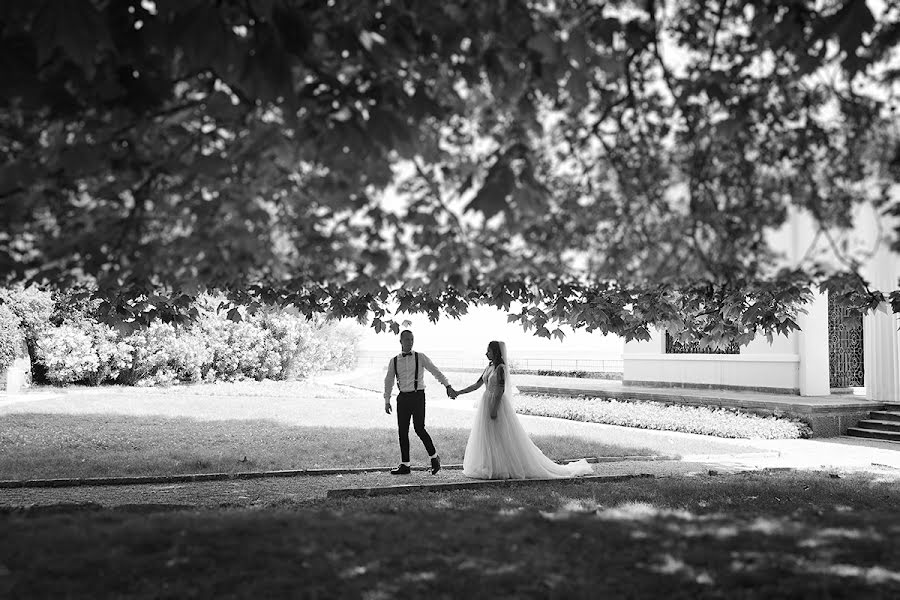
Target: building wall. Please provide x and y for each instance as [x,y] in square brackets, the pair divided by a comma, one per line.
[760,366]
[798,363]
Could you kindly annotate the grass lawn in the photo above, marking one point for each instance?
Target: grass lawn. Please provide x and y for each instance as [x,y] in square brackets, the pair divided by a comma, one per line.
[594,407]
[756,535]
[97,432]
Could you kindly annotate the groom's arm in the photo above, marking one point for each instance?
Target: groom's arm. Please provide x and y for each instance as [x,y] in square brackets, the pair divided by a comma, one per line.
[426,362]
[389,378]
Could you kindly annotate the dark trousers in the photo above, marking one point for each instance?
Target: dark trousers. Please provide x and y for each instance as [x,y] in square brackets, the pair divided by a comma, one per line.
[412,405]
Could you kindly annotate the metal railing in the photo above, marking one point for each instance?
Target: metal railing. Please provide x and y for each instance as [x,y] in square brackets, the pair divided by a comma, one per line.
[447,362]
[568,364]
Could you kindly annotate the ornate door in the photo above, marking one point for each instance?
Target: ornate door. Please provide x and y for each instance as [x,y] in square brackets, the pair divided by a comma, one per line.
[845,347]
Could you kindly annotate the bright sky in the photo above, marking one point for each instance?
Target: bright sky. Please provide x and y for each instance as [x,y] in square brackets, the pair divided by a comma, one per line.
[472,333]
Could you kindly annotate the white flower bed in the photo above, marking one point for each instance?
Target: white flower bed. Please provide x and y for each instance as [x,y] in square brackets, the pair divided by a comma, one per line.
[720,422]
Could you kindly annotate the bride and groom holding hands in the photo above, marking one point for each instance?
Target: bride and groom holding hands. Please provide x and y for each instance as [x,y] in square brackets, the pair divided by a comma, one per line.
[498,445]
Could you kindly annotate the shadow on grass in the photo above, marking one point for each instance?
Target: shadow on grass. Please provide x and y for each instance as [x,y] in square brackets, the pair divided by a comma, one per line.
[37,445]
[783,535]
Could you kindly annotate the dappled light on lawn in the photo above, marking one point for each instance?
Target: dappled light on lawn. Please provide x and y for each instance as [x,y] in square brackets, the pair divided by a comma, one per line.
[769,535]
[872,575]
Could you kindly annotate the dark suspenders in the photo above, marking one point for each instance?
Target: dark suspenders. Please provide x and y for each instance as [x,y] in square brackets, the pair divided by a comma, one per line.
[416,374]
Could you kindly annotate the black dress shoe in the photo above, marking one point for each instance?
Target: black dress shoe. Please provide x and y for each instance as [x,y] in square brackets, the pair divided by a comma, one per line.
[401,470]
[435,465]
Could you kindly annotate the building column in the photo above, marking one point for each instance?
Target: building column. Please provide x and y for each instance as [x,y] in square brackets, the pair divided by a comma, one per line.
[812,347]
[881,338]
[882,355]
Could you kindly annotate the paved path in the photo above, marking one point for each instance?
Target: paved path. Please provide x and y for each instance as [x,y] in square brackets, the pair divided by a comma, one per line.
[840,456]
[272,492]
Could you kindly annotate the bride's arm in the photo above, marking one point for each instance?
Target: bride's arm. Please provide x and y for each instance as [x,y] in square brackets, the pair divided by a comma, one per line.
[472,387]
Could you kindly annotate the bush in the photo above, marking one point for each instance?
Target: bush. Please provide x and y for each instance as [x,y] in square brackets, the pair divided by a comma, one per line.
[164,354]
[34,308]
[237,350]
[189,356]
[578,374]
[113,354]
[67,353]
[250,353]
[721,422]
[341,340]
[273,344]
[83,352]
[286,334]
[11,337]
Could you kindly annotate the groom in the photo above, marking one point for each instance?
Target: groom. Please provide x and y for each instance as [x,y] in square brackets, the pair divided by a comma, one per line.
[407,369]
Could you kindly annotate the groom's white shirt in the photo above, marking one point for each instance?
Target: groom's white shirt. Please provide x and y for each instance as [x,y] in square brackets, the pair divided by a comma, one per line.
[406,365]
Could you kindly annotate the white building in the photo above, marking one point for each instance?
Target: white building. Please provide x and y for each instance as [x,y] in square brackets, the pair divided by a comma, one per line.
[830,353]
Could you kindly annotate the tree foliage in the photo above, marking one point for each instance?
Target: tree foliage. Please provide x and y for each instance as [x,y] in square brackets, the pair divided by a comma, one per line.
[609,165]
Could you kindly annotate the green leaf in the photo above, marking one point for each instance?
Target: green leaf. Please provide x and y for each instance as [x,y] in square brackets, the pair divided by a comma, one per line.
[544,44]
[493,197]
[577,87]
[74,27]
[604,30]
[82,159]
[609,63]
[850,23]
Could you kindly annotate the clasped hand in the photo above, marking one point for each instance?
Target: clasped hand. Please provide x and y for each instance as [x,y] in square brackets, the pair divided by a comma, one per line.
[451,392]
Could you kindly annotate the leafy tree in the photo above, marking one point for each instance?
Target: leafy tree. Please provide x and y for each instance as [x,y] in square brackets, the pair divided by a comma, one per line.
[609,165]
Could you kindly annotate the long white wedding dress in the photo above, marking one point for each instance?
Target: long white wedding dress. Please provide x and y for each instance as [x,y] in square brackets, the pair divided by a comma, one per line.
[501,449]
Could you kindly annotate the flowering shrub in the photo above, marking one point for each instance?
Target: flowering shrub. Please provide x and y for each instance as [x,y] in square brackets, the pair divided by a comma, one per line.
[67,353]
[578,374]
[236,350]
[284,334]
[312,355]
[31,305]
[341,341]
[721,422]
[164,354]
[189,356]
[11,337]
[113,354]
[150,353]
[273,344]
[34,308]
[249,353]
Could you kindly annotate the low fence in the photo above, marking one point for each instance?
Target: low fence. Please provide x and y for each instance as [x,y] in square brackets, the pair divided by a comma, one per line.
[451,362]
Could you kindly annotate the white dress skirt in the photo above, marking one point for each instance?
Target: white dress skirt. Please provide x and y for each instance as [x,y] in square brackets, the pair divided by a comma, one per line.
[501,449]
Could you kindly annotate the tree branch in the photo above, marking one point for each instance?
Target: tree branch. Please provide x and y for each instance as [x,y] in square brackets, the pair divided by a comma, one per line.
[713,45]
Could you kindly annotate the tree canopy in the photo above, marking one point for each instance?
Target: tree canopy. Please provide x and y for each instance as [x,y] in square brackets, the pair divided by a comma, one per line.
[610,165]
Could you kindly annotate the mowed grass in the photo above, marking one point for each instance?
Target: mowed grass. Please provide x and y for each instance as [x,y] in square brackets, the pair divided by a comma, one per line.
[47,446]
[704,420]
[233,428]
[756,535]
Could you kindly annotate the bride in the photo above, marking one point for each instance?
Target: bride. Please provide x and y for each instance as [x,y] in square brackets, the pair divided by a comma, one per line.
[498,446]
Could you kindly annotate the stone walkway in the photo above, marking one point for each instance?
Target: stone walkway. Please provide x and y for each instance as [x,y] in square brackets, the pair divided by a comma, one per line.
[279,491]
[837,455]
